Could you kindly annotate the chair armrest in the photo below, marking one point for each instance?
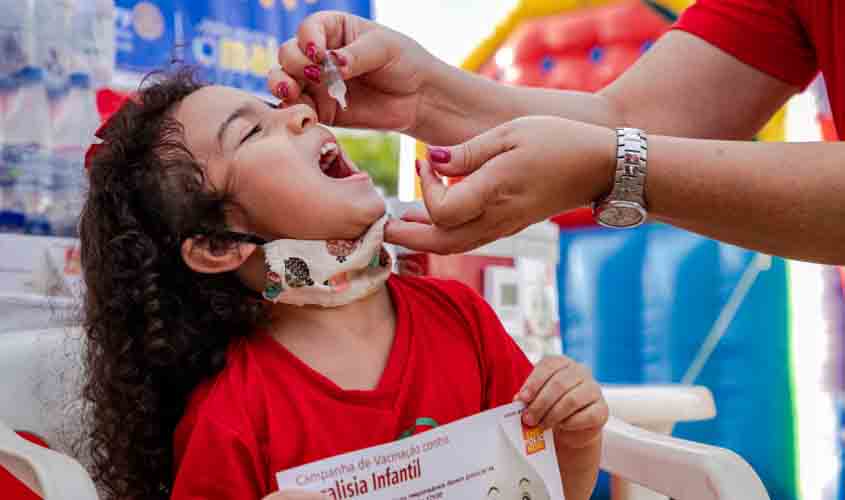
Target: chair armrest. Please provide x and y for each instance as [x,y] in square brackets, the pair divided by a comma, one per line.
[680,469]
[48,473]
[659,405]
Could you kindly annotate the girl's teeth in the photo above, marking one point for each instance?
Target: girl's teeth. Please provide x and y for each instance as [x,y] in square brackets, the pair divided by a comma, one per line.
[328,153]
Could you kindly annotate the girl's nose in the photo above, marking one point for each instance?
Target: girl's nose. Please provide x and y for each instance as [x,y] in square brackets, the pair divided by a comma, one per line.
[299,118]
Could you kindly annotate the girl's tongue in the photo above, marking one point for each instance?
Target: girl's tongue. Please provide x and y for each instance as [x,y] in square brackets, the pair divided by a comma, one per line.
[332,162]
[338,168]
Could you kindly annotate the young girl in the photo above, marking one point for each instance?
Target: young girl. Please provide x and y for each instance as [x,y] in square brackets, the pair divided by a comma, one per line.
[241,318]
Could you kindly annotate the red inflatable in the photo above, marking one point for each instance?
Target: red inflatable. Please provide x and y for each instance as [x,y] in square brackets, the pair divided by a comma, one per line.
[583,50]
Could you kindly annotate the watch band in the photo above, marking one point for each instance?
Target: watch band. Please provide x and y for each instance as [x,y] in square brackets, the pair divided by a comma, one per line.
[631,166]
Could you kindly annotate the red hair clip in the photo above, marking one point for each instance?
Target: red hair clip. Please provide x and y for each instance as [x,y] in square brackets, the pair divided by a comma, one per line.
[90,154]
[109,103]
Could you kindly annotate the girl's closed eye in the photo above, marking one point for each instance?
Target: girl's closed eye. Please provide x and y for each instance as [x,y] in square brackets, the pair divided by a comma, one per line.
[257,129]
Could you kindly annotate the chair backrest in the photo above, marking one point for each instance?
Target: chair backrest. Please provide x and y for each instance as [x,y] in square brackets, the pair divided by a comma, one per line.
[39,383]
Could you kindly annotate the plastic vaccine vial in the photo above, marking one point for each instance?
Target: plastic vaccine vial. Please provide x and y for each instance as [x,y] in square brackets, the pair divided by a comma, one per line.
[335,83]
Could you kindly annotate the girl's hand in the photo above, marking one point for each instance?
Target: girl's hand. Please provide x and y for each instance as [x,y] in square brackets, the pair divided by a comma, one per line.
[562,395]
[518,173]
[385,72]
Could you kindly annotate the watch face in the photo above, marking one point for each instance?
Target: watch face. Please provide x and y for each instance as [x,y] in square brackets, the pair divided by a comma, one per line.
[616,216]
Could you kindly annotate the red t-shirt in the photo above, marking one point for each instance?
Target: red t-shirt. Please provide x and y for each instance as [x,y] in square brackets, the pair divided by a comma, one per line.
[268,411]
[788,39]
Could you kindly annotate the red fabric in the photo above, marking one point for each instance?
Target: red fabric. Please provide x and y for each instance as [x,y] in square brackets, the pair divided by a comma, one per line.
[12,488]
[788,39]
[109,101]
[268,411]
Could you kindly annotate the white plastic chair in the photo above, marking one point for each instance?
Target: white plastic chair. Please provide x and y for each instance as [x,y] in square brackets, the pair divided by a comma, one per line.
[38,369]
[39,373]
[676,468]
[50,474]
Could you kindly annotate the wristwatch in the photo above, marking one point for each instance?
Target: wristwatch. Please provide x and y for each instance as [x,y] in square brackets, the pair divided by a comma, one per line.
[625,206]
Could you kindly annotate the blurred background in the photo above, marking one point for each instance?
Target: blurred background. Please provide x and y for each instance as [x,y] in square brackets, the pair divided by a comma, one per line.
[646,307]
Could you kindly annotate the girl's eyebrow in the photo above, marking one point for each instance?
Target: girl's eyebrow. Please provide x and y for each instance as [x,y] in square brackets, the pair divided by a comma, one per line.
[242,111]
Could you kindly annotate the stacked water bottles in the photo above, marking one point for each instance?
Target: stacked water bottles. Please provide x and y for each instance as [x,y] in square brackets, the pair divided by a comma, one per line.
[53,55]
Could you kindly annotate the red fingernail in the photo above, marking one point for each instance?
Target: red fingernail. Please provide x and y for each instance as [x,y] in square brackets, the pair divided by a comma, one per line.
[341,61]
[440,155]
[282,90]
[417,164]
[312,72]
[311,51]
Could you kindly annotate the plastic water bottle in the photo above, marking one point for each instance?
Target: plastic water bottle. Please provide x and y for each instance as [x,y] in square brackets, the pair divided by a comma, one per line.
[27,181]
[73,132]
[104,43]
[82,42]
[16,53]
[93,40]
[16,36]
[52,38]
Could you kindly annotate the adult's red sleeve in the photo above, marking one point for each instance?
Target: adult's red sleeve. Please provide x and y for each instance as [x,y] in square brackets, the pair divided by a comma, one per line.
[765,34]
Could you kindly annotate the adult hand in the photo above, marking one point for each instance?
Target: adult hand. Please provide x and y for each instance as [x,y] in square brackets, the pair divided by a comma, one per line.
[385,72]
[518,173]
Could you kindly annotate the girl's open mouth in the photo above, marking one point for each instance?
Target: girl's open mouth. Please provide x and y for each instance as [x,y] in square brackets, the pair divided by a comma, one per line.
[332,162]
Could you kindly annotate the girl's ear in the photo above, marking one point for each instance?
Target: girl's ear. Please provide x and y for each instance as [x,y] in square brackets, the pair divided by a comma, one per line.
[199,256]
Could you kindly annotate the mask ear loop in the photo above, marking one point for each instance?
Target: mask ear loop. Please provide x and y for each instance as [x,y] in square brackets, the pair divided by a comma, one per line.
[239,237]
[273,286]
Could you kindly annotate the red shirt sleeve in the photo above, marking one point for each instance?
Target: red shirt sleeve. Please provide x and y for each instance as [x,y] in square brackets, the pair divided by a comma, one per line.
[765,34]
[216,463]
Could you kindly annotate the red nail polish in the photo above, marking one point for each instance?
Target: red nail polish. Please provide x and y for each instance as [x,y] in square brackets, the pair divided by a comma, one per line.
[417,164]
[440,155]
[282,90]
[311,51]
[338,57]
[312,72]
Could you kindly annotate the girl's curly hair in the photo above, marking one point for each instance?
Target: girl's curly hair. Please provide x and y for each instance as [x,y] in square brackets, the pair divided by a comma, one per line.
[154,328]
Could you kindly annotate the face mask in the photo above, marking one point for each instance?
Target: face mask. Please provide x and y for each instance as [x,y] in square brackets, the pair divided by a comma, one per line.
[327,273]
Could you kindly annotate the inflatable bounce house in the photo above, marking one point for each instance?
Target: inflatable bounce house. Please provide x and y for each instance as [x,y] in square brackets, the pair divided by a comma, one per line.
[658,305]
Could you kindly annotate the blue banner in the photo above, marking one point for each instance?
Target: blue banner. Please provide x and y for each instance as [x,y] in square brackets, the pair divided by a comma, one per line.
[232,42]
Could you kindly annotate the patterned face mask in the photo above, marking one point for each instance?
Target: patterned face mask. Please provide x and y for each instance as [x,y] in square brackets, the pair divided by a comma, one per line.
[327,273]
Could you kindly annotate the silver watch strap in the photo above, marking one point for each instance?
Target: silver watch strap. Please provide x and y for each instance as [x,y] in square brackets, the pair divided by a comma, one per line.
[631,166]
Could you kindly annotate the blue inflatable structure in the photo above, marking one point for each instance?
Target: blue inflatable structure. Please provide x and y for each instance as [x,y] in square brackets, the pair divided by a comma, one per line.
[637,305]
